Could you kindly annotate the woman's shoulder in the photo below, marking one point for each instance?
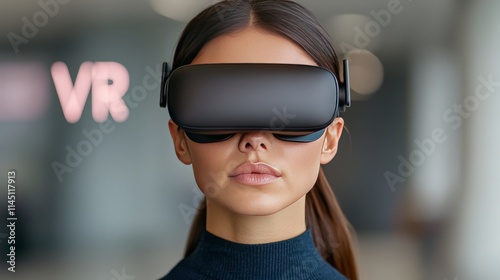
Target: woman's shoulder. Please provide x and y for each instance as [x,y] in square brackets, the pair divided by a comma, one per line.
[326,271]
[185,270]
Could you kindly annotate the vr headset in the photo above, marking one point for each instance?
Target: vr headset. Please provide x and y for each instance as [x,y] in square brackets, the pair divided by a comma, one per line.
[212,102]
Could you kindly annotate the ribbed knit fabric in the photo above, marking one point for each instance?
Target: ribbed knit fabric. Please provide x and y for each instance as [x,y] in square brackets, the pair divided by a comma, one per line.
[217,258]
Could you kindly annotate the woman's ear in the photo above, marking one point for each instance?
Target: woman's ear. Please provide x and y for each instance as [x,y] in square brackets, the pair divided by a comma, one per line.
[332,137]
[180,144]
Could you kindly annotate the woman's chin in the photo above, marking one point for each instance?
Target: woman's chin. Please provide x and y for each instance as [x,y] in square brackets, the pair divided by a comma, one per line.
[264,206]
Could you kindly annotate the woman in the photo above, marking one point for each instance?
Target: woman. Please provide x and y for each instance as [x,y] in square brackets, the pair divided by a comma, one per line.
[270,214]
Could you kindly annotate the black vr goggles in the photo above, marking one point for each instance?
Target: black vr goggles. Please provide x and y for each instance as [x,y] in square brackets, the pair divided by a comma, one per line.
[211,102]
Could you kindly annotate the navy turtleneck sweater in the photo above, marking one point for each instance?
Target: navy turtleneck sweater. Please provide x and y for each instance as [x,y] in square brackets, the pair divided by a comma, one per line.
[217,258]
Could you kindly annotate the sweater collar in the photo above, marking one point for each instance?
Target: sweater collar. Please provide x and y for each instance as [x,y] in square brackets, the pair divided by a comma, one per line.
[218,255]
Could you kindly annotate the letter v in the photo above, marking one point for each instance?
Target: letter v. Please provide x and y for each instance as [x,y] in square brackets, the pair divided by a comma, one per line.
[72,98]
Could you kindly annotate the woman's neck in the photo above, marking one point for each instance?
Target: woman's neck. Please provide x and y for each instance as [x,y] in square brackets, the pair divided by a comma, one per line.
[283,225]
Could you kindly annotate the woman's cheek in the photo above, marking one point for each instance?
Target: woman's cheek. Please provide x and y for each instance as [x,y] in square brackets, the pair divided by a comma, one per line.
[211,164]
[304,161]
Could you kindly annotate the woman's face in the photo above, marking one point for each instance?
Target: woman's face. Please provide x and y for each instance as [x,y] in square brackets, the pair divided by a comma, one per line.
[254,173]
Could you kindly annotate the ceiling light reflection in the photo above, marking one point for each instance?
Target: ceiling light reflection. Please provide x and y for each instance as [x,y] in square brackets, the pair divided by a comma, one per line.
[366,72]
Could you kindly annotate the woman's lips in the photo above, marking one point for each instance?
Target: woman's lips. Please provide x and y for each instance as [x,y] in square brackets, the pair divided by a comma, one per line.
[255,174]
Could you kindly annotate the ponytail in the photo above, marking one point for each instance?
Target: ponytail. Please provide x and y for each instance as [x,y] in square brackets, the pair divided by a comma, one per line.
[331,231]
[197,227]
[330,228]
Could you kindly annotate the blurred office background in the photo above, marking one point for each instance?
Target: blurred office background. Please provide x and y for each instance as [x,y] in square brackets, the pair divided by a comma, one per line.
[417,171]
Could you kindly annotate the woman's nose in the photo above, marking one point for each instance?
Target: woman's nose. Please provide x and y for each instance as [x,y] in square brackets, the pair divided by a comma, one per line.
[255,141]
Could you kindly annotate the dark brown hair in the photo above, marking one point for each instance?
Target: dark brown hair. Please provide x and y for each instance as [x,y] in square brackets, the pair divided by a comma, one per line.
[331,230]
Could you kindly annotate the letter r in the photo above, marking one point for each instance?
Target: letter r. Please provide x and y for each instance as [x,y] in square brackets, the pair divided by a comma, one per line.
[107,97]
